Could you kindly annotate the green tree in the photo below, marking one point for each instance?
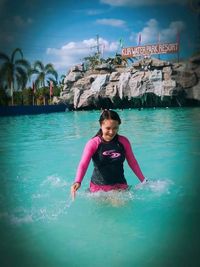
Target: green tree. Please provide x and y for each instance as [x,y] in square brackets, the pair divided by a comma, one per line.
[44,74]
[62,78]
[14,71]
[92,61]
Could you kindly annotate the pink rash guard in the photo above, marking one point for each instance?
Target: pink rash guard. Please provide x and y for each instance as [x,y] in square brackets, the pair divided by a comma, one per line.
[89,151]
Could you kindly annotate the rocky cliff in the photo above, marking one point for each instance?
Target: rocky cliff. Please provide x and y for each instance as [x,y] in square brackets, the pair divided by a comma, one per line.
[148,82]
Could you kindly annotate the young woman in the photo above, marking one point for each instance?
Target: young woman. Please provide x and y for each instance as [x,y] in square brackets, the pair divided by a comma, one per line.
[108,150]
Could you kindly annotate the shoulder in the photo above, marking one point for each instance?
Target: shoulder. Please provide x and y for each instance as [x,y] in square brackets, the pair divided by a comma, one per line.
[123,139]
[94,142]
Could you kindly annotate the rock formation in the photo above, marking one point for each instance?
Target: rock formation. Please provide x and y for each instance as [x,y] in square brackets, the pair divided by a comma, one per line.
[119,86]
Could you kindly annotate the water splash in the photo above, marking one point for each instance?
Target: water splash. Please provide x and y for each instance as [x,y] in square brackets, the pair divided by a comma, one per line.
[115,198]
[20,220]
[46,202]
[153,189]
[51,200]
[54,181]
[156,186]
[69,201]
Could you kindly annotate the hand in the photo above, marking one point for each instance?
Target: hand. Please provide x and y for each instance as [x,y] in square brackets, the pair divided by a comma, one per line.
[145,181]
[74,188]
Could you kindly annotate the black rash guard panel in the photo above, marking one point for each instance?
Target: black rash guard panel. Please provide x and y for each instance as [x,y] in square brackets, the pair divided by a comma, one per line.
[108,163]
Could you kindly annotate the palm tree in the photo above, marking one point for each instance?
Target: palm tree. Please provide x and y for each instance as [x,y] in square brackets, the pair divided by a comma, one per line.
[14,71]
[44,74]
[62,78]
[1,80]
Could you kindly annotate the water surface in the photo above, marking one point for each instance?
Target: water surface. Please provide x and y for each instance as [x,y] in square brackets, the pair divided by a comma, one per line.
[152,225]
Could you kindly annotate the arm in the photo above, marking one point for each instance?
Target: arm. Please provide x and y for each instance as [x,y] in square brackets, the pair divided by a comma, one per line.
[88,152]
[132,162]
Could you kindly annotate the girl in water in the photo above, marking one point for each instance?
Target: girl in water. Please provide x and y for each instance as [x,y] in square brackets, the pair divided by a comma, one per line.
[108,150]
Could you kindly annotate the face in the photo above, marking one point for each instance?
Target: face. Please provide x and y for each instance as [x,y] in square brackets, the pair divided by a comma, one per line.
[109,129]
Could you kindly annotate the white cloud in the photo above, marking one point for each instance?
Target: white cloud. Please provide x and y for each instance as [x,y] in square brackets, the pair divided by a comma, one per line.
[90,12]
[112,22]
[73,52]
[171,32]
[150,33]
[93,12]
[141,2]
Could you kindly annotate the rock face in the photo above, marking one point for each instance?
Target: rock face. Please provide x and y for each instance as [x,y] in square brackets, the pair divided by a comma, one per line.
[115,85]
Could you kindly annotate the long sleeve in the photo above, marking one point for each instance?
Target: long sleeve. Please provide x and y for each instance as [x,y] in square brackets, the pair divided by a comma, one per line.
[132,162]
[88,152]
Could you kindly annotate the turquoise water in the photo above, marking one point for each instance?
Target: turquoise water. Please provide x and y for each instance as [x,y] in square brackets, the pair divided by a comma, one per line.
[152,225]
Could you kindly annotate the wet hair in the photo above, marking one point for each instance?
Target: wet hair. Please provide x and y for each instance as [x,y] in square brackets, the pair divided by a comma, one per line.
[108,115]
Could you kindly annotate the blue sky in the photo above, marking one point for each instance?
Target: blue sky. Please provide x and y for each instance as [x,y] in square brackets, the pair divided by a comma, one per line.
[64,32]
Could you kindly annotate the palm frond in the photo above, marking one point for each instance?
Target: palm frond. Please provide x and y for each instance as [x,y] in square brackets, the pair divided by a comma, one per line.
[24,63]
[4,57]
[38,65]
[17,50]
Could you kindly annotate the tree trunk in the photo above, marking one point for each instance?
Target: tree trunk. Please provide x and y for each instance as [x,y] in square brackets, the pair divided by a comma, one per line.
[11,92]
